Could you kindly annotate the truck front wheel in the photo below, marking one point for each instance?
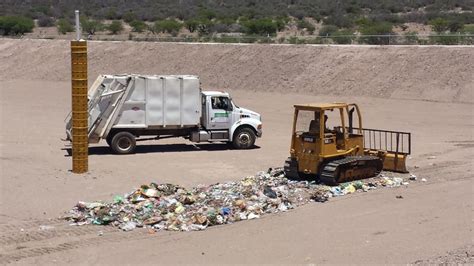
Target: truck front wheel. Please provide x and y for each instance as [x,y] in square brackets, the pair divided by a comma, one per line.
[244,138]
[123,143]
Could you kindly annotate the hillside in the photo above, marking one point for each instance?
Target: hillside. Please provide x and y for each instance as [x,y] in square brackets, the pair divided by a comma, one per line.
[185,9]
[423,73]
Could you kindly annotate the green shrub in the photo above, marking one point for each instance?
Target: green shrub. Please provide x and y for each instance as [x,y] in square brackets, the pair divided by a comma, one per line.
[382,30]
[64,26]
[455,25]
[468,29]
[191,24]
[138,26]
[168,26]
[439,25]
[327,30]
[281,22]
[304,24]
[115,27]
[411,37]
[317,40]
[264,26]
[444,39]
[343,37]
[226,39]
[296,40]
[15,25]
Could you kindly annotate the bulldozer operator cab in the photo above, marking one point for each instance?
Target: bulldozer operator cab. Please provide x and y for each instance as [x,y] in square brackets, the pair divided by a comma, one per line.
[320,133]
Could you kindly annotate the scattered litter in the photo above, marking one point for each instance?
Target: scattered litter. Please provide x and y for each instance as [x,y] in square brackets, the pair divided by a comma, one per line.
[100,233]
[397,181]
[412,177]
[431,157]
[171,207]
[423,180]
[399,197]
[129,226]
[46,227]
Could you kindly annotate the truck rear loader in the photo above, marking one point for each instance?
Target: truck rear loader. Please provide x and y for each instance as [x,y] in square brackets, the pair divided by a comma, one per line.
[124,109]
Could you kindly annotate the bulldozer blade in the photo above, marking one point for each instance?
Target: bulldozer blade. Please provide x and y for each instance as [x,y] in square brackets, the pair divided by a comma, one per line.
[395,162]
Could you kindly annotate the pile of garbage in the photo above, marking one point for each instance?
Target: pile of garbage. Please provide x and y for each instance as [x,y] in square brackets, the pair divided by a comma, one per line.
[171,207]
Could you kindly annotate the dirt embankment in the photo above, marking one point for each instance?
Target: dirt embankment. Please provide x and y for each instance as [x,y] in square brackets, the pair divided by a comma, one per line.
[422,73]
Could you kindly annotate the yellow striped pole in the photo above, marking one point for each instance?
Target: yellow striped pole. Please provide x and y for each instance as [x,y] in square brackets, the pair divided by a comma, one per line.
[80,114]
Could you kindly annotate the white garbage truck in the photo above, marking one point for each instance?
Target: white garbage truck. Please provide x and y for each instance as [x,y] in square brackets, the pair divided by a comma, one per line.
[124,109]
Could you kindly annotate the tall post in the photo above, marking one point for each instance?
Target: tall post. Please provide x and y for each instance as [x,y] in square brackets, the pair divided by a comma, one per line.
[80,114]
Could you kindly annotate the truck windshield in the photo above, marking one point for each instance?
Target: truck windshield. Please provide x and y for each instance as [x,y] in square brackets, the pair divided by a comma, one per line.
[234,103]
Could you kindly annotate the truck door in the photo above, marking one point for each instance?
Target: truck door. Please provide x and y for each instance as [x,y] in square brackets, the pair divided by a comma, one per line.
[220,112]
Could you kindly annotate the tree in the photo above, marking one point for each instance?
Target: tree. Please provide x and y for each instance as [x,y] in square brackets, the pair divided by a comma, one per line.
[138,26]
[439,25]
[115,27]
[15,25]
[64,26]
[91,26]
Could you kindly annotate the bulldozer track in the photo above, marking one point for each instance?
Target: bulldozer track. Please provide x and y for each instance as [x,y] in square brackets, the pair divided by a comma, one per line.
[330,172]
[25,239]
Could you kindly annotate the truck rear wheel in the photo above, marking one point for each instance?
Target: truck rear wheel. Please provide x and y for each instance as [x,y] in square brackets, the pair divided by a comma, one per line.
[123,143]
[244,138]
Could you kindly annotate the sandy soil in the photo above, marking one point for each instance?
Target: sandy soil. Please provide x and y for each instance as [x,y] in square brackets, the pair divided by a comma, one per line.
[429,95]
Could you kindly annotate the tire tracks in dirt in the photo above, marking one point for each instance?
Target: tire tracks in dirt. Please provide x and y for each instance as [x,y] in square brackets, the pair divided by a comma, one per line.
[26,239]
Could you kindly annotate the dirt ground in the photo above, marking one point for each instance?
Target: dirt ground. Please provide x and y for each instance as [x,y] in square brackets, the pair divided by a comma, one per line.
[425,90]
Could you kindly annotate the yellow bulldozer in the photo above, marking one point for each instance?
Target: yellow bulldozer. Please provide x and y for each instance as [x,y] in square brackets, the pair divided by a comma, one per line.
[323,146]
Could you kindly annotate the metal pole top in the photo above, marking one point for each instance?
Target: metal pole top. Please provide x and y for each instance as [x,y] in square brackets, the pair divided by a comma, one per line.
[78,26]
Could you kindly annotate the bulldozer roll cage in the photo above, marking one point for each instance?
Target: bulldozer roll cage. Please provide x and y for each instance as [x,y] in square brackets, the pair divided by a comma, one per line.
[391,141]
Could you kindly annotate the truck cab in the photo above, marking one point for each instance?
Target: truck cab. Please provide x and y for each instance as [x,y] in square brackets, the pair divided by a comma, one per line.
[223,120]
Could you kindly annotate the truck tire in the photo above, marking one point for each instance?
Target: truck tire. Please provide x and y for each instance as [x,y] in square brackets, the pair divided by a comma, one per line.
[244,138]
[109,140]
[123,143]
